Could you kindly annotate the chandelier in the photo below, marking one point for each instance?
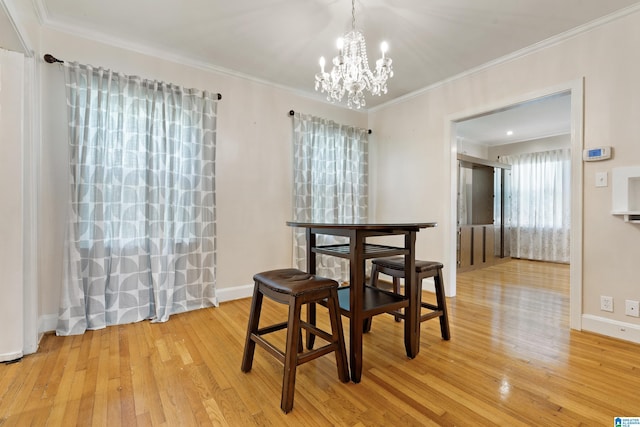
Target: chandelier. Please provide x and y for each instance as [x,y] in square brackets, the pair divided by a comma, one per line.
[351,73]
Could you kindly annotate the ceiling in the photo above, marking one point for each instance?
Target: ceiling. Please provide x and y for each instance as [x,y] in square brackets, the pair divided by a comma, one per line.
[539,118]
[9,37]
[280,41]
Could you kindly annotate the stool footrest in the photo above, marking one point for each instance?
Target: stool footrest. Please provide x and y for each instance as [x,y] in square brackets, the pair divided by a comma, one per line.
[315,353]
[430,306]
[271,349]
[315,331]
[272,328]
[431,315]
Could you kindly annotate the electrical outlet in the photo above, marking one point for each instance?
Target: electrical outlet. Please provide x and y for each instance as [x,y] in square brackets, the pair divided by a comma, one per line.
[632,308]
[606,303]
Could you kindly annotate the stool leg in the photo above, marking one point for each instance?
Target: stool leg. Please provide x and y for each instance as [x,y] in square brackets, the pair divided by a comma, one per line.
[374,275]
[252,327]
[442,305]
[291,355]
[396,289]
[374,283]
[338,336]
[311,319]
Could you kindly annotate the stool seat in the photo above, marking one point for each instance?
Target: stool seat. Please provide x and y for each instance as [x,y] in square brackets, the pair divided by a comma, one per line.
[397,263]
[294,282]
[394,267]
[295,288]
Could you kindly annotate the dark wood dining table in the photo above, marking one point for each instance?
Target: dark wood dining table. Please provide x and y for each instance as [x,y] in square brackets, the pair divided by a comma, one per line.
[359,301]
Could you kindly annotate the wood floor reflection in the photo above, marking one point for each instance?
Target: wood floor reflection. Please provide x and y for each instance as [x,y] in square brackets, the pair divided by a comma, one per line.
[512,361]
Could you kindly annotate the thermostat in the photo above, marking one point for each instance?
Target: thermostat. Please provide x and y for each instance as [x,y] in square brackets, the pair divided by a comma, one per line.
[594,154]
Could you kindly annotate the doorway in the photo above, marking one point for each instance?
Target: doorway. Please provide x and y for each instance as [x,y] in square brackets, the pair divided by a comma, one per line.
[575,91]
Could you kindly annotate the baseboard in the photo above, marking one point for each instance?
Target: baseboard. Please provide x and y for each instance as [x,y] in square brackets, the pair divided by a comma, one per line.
[47,323]
[32,348]
[237,292]
[10,357]
[612,328]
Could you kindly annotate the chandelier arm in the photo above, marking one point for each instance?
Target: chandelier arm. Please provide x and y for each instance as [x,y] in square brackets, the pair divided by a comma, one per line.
[350,73]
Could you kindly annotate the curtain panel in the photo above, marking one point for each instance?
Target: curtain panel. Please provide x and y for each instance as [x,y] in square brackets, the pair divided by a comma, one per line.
[331,163]
[541,205]
[140,240]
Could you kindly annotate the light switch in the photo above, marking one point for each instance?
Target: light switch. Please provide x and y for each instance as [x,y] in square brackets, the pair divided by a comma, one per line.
[601,179]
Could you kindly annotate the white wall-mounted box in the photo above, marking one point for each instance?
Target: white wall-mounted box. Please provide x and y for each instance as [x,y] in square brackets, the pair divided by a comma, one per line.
[625,193]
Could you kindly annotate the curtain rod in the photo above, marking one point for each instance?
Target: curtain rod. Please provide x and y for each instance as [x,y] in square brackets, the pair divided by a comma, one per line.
[50,59]
[291,113]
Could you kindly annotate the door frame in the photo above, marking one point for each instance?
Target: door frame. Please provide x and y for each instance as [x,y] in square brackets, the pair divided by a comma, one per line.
[576,90]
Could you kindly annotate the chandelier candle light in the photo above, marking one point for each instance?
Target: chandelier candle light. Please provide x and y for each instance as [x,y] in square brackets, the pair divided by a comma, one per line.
[351,71]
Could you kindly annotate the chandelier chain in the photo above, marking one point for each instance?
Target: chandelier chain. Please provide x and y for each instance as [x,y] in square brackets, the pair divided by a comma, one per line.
[353,15]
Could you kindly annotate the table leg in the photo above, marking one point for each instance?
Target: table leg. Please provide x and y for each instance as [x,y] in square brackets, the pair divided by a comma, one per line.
[412,312]
[311,269]
[356,303]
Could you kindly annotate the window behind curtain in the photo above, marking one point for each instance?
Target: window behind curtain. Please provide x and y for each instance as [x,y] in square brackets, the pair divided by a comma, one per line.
[141,233]
[541,205]
[331,163]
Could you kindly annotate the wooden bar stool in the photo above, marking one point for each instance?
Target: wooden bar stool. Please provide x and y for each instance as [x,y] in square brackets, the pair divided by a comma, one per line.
[394,267]
[295,288]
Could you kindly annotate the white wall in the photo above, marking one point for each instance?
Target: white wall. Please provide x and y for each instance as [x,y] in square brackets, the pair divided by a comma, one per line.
[414,153]
[253,164]
[11,205]
[410,151]
[532,146]
[473,149]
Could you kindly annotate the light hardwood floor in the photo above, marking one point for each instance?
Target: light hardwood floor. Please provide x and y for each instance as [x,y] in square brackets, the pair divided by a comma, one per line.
[512,361]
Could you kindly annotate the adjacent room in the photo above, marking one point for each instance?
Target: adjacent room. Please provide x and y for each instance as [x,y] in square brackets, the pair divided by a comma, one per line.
[334,212]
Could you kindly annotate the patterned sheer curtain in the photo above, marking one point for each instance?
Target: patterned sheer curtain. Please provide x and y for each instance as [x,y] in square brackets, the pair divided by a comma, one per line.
[331,163]
[540,205]
[140,241]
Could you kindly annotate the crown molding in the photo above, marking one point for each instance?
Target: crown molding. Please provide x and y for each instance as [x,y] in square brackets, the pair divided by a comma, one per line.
[41,11]
[7,7]
[77,31]
[536,47]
